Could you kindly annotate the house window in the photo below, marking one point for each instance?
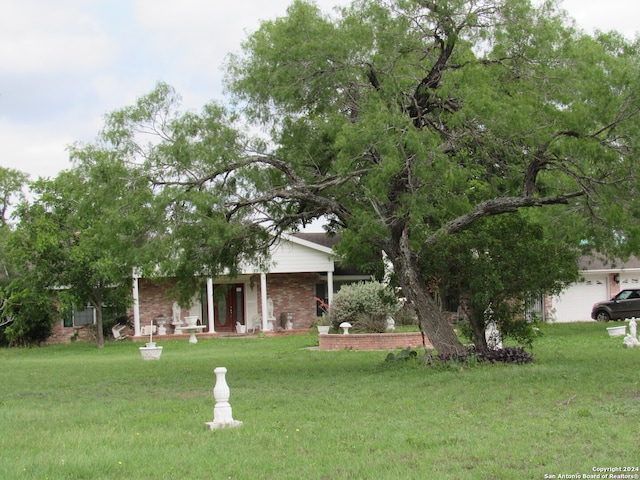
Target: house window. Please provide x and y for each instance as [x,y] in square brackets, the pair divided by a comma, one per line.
[78,318]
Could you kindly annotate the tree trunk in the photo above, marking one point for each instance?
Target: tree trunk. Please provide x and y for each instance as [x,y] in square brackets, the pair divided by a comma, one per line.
[476,322]
[99,334]
[432,322]
[479,339]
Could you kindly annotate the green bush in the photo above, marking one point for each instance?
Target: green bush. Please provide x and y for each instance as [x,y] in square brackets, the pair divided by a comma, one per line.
[364,305]
[32,314]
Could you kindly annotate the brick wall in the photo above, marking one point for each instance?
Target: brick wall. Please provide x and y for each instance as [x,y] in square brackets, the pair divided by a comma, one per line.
[293,292]
[371,341]
[153,300]
[290,292]
[61,334]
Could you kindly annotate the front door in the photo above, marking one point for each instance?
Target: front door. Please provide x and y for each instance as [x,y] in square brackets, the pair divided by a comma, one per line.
[229,306]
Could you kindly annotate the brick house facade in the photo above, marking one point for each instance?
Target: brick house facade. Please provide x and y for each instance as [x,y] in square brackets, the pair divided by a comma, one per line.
[302,267]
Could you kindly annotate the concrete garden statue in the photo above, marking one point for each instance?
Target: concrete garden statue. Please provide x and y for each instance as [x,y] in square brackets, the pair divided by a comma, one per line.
[631,340]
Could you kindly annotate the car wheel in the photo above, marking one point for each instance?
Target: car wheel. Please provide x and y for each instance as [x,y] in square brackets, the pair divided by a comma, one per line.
[602,316]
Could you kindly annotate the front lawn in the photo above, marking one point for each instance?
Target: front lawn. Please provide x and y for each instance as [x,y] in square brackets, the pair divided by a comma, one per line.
[75,412]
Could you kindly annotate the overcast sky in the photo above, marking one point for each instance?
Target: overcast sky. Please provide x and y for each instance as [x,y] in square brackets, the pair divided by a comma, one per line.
[65,63]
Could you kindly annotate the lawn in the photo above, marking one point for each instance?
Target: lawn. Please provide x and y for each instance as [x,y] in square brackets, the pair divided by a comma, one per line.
[75,412]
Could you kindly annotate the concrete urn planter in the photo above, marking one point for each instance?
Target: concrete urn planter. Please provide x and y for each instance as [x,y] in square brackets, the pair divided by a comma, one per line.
[323,329]
[617,331]
[151,351]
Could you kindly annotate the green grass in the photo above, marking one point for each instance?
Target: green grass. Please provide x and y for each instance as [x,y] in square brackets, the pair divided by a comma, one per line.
[75,412]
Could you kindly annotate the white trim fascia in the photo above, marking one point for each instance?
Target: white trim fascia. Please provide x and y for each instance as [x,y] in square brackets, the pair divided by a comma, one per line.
[610,270]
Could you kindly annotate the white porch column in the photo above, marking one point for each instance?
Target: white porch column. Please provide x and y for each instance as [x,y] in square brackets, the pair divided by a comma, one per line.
[136,304]
[263,300]
[330,287]
[210,305]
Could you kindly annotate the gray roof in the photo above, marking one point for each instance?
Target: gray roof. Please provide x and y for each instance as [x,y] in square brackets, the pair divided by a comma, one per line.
[598,262]
[320,238]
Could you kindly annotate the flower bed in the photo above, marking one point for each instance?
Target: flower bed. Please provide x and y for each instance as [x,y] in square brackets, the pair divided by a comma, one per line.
[371,341]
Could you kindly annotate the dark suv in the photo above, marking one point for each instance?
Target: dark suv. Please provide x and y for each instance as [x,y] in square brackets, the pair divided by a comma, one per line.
[625,304]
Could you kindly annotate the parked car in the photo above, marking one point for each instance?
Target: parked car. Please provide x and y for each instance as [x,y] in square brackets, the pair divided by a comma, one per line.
[625,304]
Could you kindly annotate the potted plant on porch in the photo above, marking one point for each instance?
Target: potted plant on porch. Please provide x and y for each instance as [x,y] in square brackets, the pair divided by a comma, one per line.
[322,322]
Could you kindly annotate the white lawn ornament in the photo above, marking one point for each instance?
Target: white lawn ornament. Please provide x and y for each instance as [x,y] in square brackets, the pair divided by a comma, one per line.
[631,340]
[222,414]
[492,336]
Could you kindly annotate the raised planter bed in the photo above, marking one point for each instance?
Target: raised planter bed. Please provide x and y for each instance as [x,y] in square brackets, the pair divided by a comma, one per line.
[371,341]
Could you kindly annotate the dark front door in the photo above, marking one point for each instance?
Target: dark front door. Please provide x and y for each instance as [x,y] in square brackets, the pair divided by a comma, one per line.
[229,306]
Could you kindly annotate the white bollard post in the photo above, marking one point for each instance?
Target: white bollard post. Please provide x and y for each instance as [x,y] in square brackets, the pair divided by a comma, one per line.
[222,415]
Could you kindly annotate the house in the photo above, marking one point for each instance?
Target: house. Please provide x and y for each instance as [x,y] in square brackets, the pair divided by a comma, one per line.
[302,267]
[600,280]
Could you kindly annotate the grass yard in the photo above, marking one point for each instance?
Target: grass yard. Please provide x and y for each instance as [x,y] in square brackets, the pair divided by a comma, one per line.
[75,412]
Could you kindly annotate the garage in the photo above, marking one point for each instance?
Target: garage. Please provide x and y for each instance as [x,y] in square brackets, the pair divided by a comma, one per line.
[574,304]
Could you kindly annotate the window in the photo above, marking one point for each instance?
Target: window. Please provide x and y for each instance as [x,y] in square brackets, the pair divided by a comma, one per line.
[77,318]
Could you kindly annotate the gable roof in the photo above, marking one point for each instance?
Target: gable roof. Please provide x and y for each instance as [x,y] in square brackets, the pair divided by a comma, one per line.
[319,238]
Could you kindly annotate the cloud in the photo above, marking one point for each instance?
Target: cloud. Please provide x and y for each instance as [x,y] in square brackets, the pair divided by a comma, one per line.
[40,153]
[592,15]
[49,37]
[64,64]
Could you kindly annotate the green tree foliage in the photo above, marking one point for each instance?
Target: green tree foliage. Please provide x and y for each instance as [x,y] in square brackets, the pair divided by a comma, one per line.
[406,122]
[500,264]
[198,167]
[84,233]
[12,182]
[26,314]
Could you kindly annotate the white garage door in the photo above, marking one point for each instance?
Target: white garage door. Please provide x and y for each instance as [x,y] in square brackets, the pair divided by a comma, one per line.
[629,280]
[574,304]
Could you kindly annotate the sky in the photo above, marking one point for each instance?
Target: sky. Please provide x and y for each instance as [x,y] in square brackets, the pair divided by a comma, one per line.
[64,64]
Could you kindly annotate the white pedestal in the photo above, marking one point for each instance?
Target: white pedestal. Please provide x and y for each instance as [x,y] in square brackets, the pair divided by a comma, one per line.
[191,330]
[222,414]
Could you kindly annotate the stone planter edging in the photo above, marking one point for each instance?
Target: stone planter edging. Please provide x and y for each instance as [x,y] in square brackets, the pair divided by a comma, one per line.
[371,341]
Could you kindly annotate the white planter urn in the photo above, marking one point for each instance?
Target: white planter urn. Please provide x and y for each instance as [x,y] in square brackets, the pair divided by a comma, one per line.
[151,351]
[617,331]
[323,329]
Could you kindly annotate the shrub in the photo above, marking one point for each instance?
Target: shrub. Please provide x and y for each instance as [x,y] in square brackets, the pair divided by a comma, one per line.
[363,305]
[406,315]
[370,323]
[507,355]
[32,314]
[515,355]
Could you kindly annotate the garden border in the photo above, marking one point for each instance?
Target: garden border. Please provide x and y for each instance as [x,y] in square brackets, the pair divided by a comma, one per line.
[371,341]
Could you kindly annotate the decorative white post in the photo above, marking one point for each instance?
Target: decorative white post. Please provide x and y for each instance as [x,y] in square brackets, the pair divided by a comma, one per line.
[222,415]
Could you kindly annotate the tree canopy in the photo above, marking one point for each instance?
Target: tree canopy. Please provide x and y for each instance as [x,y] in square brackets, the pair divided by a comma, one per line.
[404,124]
[84,233]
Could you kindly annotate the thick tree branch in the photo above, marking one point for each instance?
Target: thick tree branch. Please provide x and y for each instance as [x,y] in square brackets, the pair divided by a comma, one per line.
[498,206]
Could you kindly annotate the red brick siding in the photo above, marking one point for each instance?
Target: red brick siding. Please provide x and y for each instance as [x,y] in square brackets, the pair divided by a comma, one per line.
[371,341]
[61,334]
[293,292]
[153,300]
[290,292]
